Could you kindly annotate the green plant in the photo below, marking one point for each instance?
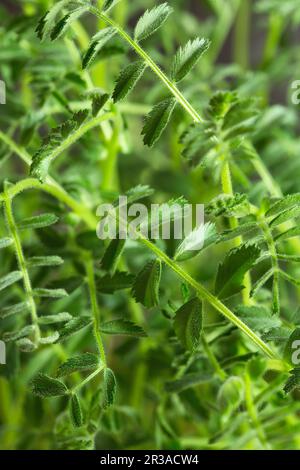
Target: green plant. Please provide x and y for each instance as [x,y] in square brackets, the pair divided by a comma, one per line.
[203,339]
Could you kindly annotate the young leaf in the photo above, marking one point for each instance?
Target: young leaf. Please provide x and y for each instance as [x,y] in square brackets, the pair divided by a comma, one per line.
[188,324]
[122,327]
[258,318]
[82,362]
[112,255]
[38,221]
[110,386]
[44,386]
[196,241]
[50,339]
[4,242]
[98,101]
[128,79]
[73,326]
[55,318]
[286,215]
[45,261]
[76,411]
[286,203]
[151,21]
[98,41]
[232,270]
[61,27]
[10,279]
[187,57]
[14,335]
[108,4]
[47,22]
[51,293]
[157,121]
[146,285]
[14,309]
[290,233]
[229,206]
[26,345]
[110,284]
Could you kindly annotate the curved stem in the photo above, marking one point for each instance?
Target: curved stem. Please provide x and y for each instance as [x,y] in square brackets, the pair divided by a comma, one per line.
[12,226]
[154,67]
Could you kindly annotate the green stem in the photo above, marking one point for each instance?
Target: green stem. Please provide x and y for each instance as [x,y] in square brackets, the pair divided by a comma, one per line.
[275,267]
[241,34]
[220,372]
[252,411]
[56,191]
[87,379]
[210,298]
[22,264]
[154,67]
[95,309]
[228,189]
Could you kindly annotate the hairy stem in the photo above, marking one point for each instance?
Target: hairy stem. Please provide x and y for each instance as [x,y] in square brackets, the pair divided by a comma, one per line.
[12,226]
[95,309]
[154,67]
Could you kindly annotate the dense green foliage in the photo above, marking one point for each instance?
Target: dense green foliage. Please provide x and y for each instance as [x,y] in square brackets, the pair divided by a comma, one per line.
[149,344]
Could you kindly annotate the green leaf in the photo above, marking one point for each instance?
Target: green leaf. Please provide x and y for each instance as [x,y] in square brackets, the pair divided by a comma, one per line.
[238,231]
[82,362]
[122,327]
[112,255]
[286,215]
[110,387]
[38,221]
[128,79]
[4,242]
[286,203]
[98,41]
[151,21]
[55,318]
[44,386]
[47,22]
[119,281]
[292,348]
[258,318]
[74,325]
[146,285]
[36,261]
[76,411]
[61,27]
[290,233]
[187,381]
[196,241]
[50,339]
[98,102]
[229,206]
[108,4]
[51,293]
[231,393]
[10,279]
[233,269]
[293,381]
[188,324]
[14,309]
[26,345]
[14,335]
[157,120]
[187,57]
